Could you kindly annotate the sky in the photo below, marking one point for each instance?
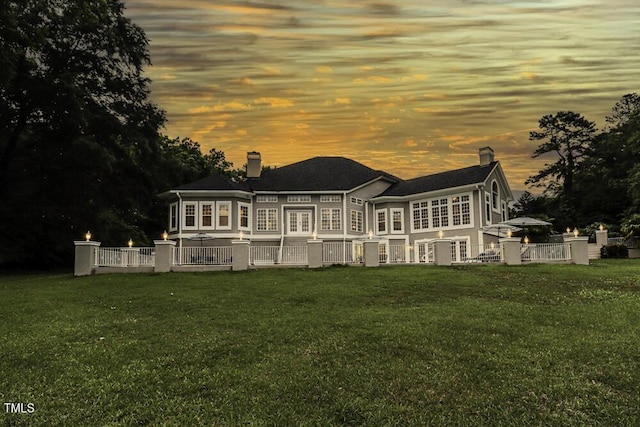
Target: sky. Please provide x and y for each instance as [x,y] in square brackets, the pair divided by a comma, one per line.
[412,87]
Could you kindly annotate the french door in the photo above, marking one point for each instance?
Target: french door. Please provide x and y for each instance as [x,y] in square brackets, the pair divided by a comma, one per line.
[299,222]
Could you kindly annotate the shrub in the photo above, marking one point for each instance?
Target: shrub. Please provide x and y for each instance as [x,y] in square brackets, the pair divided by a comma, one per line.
[614,251]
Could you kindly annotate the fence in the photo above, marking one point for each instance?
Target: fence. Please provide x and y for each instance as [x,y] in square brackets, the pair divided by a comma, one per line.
[288,255]
[215,255]
[125,257]
[489,252]
[546,252]
[342,252]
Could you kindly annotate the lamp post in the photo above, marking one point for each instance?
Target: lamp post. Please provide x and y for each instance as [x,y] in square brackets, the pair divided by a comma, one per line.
[87,236]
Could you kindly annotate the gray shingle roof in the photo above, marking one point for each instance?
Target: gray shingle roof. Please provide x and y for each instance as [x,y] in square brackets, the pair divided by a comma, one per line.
[340,174]
[318,174]
[215,182]
[450,179]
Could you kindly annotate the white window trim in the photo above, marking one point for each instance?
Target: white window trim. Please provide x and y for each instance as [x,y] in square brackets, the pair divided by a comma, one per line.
[331,198]
[356,201]
[196,213]
[487,203]
[240,226]
[267,198]
[173,210]
[496,207]
[218,216]
[391,229]
[360,217]
[267,229]
[331,218]
[385,223]
[449,214]
[296,198]
[200,222]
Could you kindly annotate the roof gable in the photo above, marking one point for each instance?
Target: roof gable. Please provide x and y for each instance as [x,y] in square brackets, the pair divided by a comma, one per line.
[318,174]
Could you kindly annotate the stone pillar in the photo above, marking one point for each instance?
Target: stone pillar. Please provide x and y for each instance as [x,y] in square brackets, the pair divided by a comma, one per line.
[511,250]
[85,259]
[442,252]
[579,250]
[164,255]
[240,255]
[602,238]
[314,253]
[371,253]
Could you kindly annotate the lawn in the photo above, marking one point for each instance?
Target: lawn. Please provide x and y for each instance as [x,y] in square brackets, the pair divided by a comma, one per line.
[408,345]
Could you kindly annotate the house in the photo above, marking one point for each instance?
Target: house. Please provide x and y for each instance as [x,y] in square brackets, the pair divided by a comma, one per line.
[343,202]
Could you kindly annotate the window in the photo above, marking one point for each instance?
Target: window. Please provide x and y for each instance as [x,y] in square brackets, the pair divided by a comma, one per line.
[420,215]
[298,199]
[397,220]
[243,216]
[330,198]
[495,196]
[356,201]
[190,215]
[487,205]
[356,221]
[267,199]
[381,219]
[267,219]
[223,216]
[461,210]
[453,211]
[173,217]
[505,212]
[206,215]
[440,213]
[330,219]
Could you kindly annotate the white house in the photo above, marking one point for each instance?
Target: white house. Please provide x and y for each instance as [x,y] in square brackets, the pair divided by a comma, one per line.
[340,200]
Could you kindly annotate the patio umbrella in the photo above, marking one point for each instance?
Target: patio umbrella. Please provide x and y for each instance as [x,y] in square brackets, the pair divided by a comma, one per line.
[202,237]
[525,221]
[500,226]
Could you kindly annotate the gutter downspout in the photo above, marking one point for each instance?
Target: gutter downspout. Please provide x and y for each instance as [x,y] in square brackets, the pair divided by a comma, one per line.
[179,227]
[344,229]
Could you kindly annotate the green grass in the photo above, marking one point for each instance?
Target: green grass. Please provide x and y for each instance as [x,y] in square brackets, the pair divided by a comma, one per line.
[412,345]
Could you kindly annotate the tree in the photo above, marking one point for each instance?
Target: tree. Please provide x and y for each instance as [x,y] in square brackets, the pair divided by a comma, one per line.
[76,126]
[566,135]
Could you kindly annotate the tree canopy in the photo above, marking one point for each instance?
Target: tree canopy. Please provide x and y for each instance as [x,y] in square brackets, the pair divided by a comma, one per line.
[80,142]
[596,177]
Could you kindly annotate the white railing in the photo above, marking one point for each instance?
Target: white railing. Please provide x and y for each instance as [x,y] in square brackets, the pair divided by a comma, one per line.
[488,252]
[397,255]
[288,255]
[212,255]
[425,253]
[342,252]
[543,252]
[126,257]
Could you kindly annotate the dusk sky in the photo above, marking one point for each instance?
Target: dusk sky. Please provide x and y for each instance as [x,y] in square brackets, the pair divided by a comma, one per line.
[411,86]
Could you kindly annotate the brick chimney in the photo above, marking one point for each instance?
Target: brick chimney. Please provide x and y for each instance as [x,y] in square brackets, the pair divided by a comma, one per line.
[486,156]
[254,164]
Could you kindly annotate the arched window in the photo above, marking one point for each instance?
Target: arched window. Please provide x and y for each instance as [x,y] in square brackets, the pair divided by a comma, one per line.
[495,196]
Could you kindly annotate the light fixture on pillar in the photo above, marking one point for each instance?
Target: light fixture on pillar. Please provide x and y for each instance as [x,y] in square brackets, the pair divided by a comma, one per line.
[165,235]
[130,243]
[509,233]
[315,235]
[601,227]
[370,234]
[575,232]
[87,236]
[241,235]
[526,240]
[441,234]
